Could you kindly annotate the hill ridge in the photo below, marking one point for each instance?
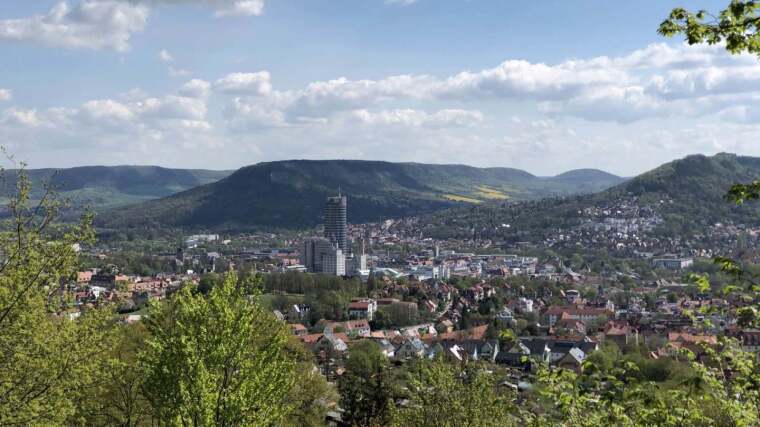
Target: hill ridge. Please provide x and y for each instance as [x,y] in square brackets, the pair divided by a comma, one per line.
[290,193]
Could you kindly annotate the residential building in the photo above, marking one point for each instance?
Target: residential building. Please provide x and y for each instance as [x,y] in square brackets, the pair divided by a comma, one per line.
[673,263]
[362,309]
[410,348]
[584,314]
[298,329]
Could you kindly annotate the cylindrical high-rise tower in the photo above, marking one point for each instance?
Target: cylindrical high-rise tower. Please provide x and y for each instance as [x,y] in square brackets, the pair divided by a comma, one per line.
[336,227]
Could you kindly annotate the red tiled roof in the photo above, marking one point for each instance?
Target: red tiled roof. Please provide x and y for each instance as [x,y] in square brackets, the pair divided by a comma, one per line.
[617,328]
[476,333]
[310,339]
[576,311]
[356,324]
[685,337]
[342,336]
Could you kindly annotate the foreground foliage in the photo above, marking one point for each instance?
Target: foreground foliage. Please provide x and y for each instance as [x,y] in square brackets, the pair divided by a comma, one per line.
[44,356]
[443,394]
[198,360]
[216,360]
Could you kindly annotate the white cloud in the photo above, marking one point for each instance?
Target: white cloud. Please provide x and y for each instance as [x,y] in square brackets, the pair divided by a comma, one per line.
[6,94]
[196,88]
[711,80]
[623,114]
[171,119]
[171,107]
[245,83]
[178,72]
[15,116]
[165,56]
[220,7]
[657,80]
[416,118]
[525,80]
[133,94]
[741,114]
[238,8]
[107,110]
[89,24]
[401,2]
[106,24]
[242,116]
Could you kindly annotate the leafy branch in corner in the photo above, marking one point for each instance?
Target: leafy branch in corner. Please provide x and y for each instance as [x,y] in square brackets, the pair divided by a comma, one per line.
[738,26]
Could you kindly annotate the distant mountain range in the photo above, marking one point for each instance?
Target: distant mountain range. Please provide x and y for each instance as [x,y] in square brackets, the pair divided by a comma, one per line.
[291,194]
[111,186]
[689,194]
[455,199]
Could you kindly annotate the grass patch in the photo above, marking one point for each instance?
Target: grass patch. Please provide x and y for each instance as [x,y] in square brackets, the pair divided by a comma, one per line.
[491,193]
[458,198]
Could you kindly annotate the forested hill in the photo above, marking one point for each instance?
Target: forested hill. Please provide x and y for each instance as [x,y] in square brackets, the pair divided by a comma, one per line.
[291,194]
[110,186]
[588,180]
[688,194]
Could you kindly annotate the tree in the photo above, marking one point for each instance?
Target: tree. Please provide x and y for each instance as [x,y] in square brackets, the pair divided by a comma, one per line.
[218,360]
[208,281]
[441,394]
[746,317]
[507,339]
[311,399]
[116,397]
[738,26]
[612,390]
[366,388]
[47,358]
[397,315]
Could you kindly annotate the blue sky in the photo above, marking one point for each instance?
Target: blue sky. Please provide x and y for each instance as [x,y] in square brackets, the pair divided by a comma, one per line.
[545,86]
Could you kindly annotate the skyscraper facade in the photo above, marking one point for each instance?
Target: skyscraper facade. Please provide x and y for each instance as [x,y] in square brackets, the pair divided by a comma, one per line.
[336,227]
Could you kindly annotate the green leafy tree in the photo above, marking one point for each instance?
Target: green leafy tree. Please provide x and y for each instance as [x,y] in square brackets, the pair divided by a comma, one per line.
[441,394]
[313,395]
[48,357]
[208,281]
[507,339]
[611,390]
[747,317]
[737,25]
[217,360]
[116,397]
[366,388]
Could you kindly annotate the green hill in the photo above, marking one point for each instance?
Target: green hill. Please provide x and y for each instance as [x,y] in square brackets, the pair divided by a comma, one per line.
[110,186]
[291,194]
[588,180]
[688,194]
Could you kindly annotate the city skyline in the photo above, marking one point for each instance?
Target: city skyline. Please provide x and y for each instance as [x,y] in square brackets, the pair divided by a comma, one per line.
[117,82]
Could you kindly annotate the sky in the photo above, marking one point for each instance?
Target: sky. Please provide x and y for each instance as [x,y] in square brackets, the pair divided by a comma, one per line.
[545,86]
